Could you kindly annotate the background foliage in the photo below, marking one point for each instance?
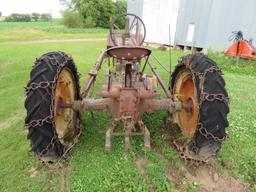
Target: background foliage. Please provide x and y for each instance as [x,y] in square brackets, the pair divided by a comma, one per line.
[93,13]
[19,17]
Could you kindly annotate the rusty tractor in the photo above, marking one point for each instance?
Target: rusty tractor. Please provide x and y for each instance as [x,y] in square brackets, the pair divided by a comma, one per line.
[195,98]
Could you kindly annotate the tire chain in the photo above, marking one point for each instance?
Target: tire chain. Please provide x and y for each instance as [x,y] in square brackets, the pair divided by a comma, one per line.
[50,119]
[203,97]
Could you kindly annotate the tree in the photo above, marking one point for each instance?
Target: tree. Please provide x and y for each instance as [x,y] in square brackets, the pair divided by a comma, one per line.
[16,17]
[0,14]
[26,17]
[35,16]
[46,17]
[121,8]
[99,10]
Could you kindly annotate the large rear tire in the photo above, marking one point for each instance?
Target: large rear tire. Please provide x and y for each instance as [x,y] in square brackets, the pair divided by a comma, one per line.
[52,130]
[198,83]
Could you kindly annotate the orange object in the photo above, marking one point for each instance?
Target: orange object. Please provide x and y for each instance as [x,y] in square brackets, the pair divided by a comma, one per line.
[242,49]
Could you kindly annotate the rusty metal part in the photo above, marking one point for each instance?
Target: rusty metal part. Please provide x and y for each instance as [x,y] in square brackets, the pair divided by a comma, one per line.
[184,91]
[128,130]
[161,82]
[92,104]
[162,104]
[127,102]
[93,74]
[162,65]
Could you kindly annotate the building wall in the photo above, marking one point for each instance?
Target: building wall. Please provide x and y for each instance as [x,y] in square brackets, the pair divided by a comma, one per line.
[193,15]
[214,21]
[227,16]
[135,7]
[159,17]
[196,23]
[2,18]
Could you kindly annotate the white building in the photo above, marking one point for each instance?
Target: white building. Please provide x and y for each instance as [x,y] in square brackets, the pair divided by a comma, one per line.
[195,23]
[2,18]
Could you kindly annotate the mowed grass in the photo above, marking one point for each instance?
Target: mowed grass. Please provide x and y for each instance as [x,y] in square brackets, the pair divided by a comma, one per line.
[89,168]
[20,31]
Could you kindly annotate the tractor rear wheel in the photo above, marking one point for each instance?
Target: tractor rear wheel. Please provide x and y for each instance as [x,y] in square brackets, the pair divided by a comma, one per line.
[197,82]
[52,130]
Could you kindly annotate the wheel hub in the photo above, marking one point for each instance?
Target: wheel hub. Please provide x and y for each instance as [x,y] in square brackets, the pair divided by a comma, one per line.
[188,105]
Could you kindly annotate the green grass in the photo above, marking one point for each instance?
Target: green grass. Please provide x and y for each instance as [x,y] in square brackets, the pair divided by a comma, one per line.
[29,25]
[233,64]
[89,168]
[20,31]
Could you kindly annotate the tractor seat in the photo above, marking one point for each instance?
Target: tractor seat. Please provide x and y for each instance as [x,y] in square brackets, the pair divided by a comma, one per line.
[129,53]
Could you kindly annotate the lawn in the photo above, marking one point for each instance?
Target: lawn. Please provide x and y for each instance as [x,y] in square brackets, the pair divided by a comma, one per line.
[20,31]
[89,168]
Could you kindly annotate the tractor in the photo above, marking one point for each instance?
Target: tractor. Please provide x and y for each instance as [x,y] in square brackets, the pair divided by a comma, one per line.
[195,97]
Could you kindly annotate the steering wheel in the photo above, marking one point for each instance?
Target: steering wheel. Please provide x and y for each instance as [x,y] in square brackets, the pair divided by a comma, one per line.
[133,33]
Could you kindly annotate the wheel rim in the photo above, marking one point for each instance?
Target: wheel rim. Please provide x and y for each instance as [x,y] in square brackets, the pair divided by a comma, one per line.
[65,118]
[184,90]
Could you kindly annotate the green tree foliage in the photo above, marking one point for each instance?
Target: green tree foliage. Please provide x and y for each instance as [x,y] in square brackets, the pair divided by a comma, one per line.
[0,13]
[17,17]
[97,12]
[72,19]
[89,22]
[35,16]
[46,17]
[121,8]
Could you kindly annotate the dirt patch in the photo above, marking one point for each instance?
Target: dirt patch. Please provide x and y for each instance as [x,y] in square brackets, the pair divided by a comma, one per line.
[64,173]
[33,172]
[243,98]
[141,163]
[205,179]
[17,31]
[58,178]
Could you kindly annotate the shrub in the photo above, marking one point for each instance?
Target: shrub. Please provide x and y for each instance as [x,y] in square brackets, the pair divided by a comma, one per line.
[72,19]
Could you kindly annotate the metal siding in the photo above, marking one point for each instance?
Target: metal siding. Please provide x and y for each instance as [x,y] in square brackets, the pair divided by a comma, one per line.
[214,20]
[157,16]
[160,17]
[196,12]
[135,7]
[228,16]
